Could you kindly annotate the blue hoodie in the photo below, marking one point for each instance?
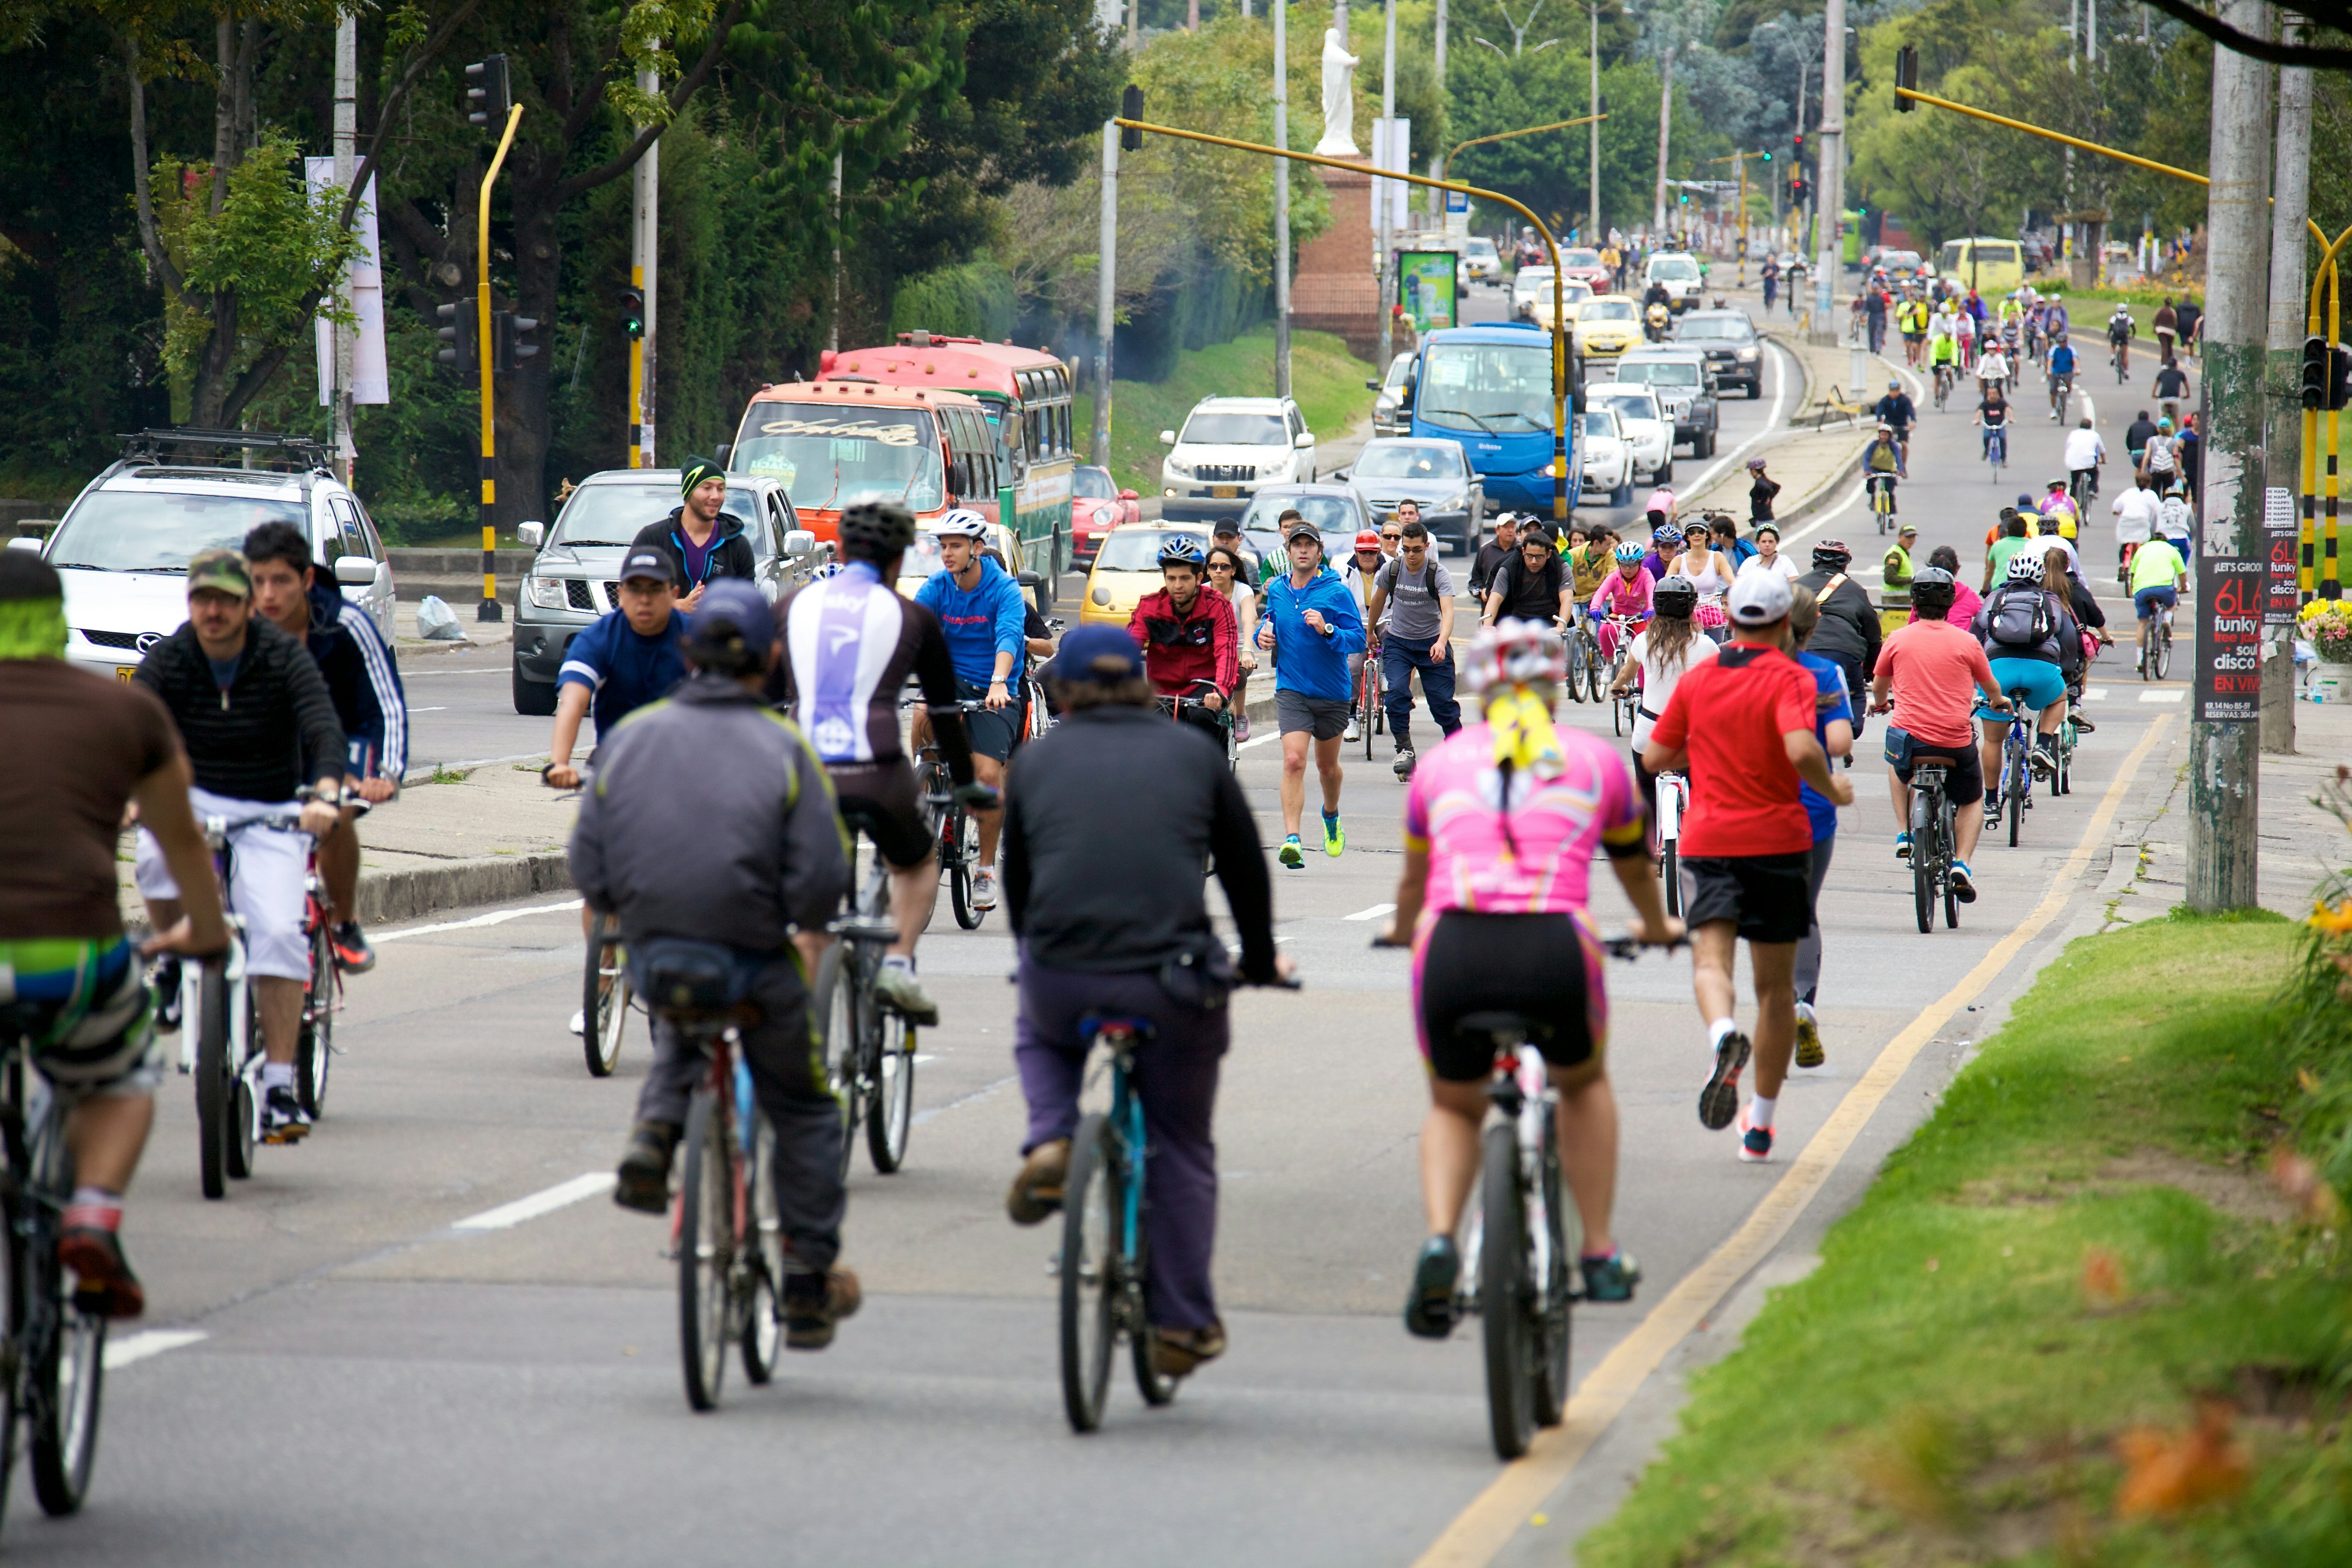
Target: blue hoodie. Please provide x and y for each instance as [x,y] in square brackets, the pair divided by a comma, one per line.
[1308,662]
[979,625]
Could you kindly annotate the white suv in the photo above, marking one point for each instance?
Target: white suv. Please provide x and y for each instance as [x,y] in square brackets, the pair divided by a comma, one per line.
[1680,274]
[1229,447]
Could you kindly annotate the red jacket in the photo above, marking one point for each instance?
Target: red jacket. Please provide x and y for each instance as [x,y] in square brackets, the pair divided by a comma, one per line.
[1181,650]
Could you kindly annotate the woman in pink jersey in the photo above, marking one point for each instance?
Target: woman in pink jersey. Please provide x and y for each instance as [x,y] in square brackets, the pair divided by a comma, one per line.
[1624,592]
[1500,828]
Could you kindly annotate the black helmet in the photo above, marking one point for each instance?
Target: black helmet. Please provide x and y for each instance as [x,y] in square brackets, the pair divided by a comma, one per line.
[1931,590]
[1832,555]
[875,530]
[1675,596]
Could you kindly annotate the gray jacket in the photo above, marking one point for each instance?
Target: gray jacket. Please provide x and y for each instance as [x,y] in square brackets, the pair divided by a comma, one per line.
[710,818]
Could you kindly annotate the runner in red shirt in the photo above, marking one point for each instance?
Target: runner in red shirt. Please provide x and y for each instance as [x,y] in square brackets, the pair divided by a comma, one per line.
[1934,670]
[1741,726]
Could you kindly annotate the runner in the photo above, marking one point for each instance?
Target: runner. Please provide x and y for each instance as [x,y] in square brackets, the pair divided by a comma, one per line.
[1833,728]
[1310,626]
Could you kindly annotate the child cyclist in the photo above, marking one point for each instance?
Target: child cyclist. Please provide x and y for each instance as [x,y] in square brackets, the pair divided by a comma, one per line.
[1625,591]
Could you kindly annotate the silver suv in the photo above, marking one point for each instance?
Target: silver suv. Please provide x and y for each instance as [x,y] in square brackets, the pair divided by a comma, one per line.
[1229,447]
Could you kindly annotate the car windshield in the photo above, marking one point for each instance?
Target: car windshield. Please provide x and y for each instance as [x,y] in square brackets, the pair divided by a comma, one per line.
[1661,373]
[1601,422]
[1526,279]
[1381,461]
[1494,387]
[1093,484]
[1579,259]
[1400,371]
[1730,328]
[145,530]
[1332,514]
[1482,250]
[831,457]
[1231,427]
[922,557]
[1676,268]
[1894,258]
[1138,549]
[1625,404]
[1606,311]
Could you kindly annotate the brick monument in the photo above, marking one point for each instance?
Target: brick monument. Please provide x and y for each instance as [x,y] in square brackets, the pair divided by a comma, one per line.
[1335,290]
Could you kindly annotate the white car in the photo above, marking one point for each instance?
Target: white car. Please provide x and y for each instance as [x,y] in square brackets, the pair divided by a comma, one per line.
[1608,458]
[123,547]
[1228,448]
[1526,284]
[1681,275]
[1648,430]
[1481,262]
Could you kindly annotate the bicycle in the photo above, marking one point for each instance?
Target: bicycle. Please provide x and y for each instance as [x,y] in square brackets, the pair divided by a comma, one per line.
[1997,449]
[958,830]
[322,996]
[606,997]
[2062,780]
[1583,657]
[2012,793]
[1625,707]
[1946,375]
[1881,500]
[1932,842]
[1372,716]
[2062,391]
[1673,799]
[869,1049]
[2081,488]
[1179,705]
[2156,645]
[2121,360]
[53,1362]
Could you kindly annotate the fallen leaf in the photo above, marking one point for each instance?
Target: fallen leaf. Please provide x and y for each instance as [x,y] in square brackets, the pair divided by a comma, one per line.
[2169,1473]
[2103,1278]
[1934,1264]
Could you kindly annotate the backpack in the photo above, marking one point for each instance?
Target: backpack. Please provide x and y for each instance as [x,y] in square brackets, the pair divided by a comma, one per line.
[2019,618]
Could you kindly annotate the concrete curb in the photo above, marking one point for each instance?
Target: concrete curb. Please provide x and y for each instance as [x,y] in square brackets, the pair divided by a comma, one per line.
[1804,368]
[411,891]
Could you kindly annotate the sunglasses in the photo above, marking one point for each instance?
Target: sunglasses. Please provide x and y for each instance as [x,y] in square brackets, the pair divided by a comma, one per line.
[1391,538]
[1220,565]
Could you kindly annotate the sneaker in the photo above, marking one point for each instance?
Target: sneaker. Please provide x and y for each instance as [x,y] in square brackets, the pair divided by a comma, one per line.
[1241,727]
[814,1303]
[904,994]
[352,953]
[580,1023]
[1755,1143]
[2083,723]
[1355,731]
[643,1178]
[983,888]
[1903,847]
[1179,1352]
[1404,763]
[1992,813]
[1433,1306]
[283,1119]
[1964,885]
[1335,838]
[1718,1102]
[164,986]
[1037,1189]
[1809,1040]
[2043,759]
[103,1283]
[1611,1279]
[1292,854]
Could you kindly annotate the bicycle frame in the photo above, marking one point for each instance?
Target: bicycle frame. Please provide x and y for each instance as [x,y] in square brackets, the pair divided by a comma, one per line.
[1520,1089]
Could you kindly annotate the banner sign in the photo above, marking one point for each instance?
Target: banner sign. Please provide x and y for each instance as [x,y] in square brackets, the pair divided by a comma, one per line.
[2231,595]
[2283,536]
[1425,281]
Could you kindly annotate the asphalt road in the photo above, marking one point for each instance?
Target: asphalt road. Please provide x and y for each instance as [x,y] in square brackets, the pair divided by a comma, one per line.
[374,1383]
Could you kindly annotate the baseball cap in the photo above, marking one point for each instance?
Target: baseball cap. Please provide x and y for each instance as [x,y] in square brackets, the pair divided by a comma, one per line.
[1085,647]
[1305,526]
[732,611]
[649,561]
[1910,528]
[1759,599]
[220,569]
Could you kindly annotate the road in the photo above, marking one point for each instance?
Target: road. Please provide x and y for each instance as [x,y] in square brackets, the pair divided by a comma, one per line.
[376,1382]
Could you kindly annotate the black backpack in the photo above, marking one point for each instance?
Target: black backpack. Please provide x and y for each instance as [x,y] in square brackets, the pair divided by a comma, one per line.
[2020,618]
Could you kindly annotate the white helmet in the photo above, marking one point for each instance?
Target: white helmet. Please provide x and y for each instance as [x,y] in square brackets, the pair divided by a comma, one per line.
[2025,566]
[963,521]
[1514,651]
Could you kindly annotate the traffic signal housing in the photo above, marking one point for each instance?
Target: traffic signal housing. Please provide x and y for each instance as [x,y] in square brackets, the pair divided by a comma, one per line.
[489,94]
[1130,107]
[1906,78]
[509,350]
[632,311]
[457,330]
[2326,375]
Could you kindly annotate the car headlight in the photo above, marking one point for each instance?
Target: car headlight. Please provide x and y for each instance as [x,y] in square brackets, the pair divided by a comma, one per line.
[1453,503]
[1174,469]
[544,593]
[1747,353]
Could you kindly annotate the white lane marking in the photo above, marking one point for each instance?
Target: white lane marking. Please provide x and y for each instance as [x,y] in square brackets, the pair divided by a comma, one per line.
[138,1347]
[428,709]
[2094,694]
[1771,423]
[1262,740]
[2173,696]
[494,917]
[1375,913]
[980,1093]
[561,1195]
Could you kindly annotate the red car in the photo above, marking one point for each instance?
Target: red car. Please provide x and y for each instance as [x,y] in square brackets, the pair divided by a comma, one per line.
[1097,506]
[1584,266]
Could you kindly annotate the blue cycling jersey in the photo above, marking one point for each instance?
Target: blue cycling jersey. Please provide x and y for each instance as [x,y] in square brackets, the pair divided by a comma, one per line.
[623,670]
[979,625]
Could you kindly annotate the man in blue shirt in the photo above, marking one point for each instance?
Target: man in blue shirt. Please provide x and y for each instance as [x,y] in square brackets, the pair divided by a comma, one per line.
[1833,728]
[2061,377]
[982,612]
[1310,625]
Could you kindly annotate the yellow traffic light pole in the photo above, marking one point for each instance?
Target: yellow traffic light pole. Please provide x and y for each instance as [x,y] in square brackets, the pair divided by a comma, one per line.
[489,611]
[1560,341]
[1506,135]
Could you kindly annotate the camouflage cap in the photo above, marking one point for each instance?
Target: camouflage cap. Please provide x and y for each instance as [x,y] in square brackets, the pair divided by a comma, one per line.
[220,569]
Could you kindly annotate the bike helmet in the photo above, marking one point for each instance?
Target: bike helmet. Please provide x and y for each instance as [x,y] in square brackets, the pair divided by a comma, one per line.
[2025,566]
[963,522]
[1932,590]
[1832,555]
[1514,651]
[1629,552]
[875,530]
[1675,596]
[1184,550]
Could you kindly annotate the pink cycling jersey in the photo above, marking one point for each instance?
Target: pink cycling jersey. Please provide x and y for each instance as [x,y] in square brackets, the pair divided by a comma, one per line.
[1620,595]
[1556,825]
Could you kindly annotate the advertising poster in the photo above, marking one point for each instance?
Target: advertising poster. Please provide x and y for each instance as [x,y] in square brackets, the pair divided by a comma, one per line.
[2283,537]
[2231,595]
[1426,287]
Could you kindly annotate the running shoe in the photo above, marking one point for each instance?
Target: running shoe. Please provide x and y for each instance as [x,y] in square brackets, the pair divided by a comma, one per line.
[579,1024]
[1335,838]
[283,1119]
[1611,1279]
[983,890]
[2043,758]
[1808,1040]
[814,1303]
[1433,1306]
[1964,883]
[1755,1143]
[2083,722]
[1903,847]
[904,994]
[352,953]
[1718,1102]
[1404,763]
[103,1283]
[1355,732]
[1241,727]
[1292,854]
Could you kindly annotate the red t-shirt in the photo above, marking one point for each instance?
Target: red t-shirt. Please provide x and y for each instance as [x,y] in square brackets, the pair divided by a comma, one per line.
[1730,713]
[1934,669]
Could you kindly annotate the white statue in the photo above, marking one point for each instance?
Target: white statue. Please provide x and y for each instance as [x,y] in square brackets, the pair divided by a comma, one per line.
[1339,100]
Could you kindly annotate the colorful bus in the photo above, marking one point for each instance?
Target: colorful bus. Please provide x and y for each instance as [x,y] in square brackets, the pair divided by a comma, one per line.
[1027,394]
[840,441]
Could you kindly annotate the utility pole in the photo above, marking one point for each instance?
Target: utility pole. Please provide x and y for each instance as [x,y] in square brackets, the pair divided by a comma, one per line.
[347,92]
[1107,289]
[1391,157]
[2282,450]
[1829,175]
[1592,59]
[645,259]
[1666,127]
[2224,779]
[833,329]
[1437,159]
[1282,193]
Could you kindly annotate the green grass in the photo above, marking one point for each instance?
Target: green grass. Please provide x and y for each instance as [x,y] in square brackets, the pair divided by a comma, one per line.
[1950,1385]
[1327,380]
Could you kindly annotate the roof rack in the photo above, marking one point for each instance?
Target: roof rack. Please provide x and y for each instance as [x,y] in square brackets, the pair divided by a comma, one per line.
[209,449]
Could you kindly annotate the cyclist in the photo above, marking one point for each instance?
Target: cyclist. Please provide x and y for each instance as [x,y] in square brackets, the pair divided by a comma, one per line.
[1884,464]
[1310,625]
[364,682]
[82,746]
[2174,516]
[1833,728]
[1588,563]
[632,656]
[2016,534]
[2061,376]
[2134,512]
[1111,785]
[2171,387]
[2025,629]
[1929,675]
[712,826]
[1533,585]
[851,644]
[1628,591]
[1943,353]
[2120,331]
[1356,574]
[2135,438]
[1493,553]
[1914,318]
[1654,661]
[1992,417]
[1189,637]
[1895,567]
[2159,577]
[1768,556]
[2085,455]
[1993,368]
[1499,835]
[2056,512]
[1413,596]
[1897,412]
[256,717]
[1741,726]
[1850,634]
[984,619]
[706,541]
[1710,571]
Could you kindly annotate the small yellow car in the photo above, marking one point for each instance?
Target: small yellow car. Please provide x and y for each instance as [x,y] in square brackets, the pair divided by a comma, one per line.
[1607,325]
[1127,568]
[1572,295]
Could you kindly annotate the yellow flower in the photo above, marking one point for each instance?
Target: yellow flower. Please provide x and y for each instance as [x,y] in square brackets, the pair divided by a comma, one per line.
[2336,920]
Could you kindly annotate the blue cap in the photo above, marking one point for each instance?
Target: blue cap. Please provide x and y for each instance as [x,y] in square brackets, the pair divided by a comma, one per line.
[1082,647]
[736,603]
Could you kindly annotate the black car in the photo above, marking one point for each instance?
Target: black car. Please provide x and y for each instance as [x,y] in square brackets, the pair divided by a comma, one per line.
[1732,350]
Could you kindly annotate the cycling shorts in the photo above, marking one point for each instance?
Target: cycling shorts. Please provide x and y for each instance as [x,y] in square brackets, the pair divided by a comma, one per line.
[2043,683]
[2145,600]
[268,881]
[1963,782]
[884,799]
[90,1016]
[1470,962]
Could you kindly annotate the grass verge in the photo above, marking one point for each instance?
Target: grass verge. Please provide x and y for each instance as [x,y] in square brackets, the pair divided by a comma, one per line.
[2070,1325]
[1327,380]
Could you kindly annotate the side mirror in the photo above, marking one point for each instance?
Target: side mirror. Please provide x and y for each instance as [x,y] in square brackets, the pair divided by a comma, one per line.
[1339,473]
[1305,441]
[532,533]
[1372,385]
[798,542]
[25,541]
[1128,495]
[355,571]
[721,452]
[1167,438]
[1029,579]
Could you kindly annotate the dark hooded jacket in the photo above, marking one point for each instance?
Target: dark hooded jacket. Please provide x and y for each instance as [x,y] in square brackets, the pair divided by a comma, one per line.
[731,551]
[364,681]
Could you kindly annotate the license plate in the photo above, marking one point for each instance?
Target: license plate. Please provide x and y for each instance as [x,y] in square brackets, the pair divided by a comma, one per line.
[123,673]
[1223,492]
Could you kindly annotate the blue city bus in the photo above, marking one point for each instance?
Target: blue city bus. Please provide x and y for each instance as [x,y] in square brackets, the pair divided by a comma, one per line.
[1489,388]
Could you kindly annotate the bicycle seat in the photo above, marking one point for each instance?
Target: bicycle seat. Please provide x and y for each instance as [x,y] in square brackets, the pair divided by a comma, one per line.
[1498,1023]
[1118,1031]
[1933,762]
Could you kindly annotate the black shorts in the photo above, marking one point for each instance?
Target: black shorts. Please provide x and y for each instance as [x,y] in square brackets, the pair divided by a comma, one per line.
[1963,780]
[992,732]
[1768,897]
[883,799]
[1532,964]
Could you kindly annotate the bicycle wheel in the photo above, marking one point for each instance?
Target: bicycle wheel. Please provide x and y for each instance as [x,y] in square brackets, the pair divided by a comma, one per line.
[2012,798]
[1944,867]
[1156,1388]
[1592,682]
[1090,1266]
[1370,698]
[1563,1239]
[1672,878]
[2163,650]
[705,1252]
[967,856]
[1502,1291]
[1923,862]
[604,1001]
[761,1282]
[67,1375]
[890,1100]
[215,1093]
[314,1050]
[834,998]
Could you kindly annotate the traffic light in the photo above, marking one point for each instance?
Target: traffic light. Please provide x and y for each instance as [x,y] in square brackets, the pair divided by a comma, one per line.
[1796,189]
[2314,373]
[487,94]
[464,360]
[1797,152]
[509,350]
[1906,78]
[2339,379]
[1130,107]
[632,311]
[1767,154]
